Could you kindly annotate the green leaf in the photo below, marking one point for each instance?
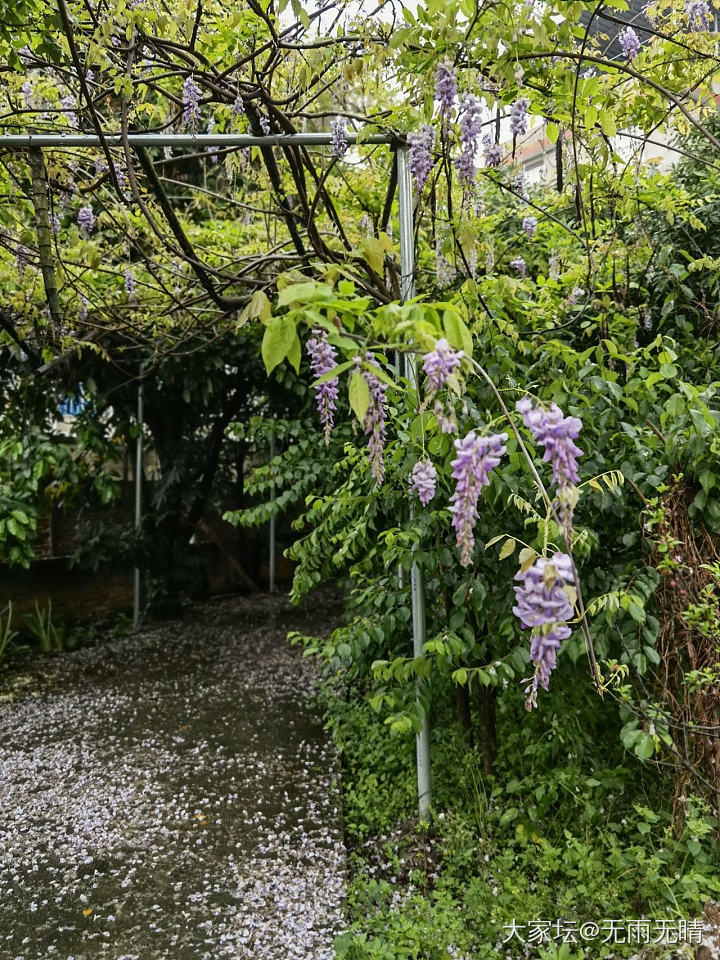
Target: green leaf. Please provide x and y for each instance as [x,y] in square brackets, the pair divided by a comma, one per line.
[644,746]
[607,123]
[508,548]
[303,293]
[552,131]
[359,395]
[279,338]
[457,333]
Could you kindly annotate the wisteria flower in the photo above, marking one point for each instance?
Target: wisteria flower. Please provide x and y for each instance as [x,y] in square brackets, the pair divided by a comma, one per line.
[67,103]
[519,117]
[519,266]
[446,89]
[544,605]
[575,294]
[420,160]
[238,107]
[476,457]
[129,278]
[85,220]
[322,360]
[470,128]
[339,137]
[629,43]
[83,311]
[264,124]
[529,225]
[445,416]
[698,15]
[493,152]
[556,433]
[191,101]
[439,363]
[422,481]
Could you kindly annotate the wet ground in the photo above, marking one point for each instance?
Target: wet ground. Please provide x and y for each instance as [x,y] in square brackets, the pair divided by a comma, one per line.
[171,794]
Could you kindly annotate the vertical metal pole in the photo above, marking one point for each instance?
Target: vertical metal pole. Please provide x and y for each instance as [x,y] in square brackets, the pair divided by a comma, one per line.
[271,562]
[138,501]
[407,292]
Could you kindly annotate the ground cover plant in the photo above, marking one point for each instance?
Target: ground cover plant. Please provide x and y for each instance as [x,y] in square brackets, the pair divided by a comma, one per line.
[533,428]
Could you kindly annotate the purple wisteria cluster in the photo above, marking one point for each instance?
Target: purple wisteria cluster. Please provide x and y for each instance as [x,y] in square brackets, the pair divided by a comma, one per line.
[519,266]
[470,129]
[420,161]
[439,363]
[698,15]
[322,360]
[191,101]
[238,107]
[423,480]
[556,433]
[446,89]
[629,43]
[476,456]
[519,117]
[375,419]
[339,137]
[129,278]
[543,605]
[493,152]
[85,220]
[529,225]
[575,294]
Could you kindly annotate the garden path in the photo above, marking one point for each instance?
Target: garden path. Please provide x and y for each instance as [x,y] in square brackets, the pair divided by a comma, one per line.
[171,794]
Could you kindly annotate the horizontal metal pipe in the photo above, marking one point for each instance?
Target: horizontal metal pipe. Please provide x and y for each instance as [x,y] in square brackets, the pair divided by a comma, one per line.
[25,140]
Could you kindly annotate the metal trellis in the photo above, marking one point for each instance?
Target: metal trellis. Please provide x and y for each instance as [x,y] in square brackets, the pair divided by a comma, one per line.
[407,258]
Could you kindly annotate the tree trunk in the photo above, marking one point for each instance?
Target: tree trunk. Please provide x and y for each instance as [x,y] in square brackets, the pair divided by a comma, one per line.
[485,704]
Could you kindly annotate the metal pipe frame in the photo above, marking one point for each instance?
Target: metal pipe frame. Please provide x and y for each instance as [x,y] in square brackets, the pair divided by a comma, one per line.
[27,140]
[407,288]
[138,500]
[417,581]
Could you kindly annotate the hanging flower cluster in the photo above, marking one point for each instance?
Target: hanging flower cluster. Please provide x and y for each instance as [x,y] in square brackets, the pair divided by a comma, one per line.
[556,433]
[422,481]
[529,225]
[575,294]
[322,360]
[446,89]
[470,129]
[493,152]
[238,107]
[85,220]
[375,420]
[629,43]
[339,137]
[476,456]
[439,364]
[698,15]
[544,605]
[191,101]
[519,266]
[129,277]
[420,161]
[519,117]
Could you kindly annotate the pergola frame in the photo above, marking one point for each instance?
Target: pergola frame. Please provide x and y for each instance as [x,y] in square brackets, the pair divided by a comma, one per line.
[407,290]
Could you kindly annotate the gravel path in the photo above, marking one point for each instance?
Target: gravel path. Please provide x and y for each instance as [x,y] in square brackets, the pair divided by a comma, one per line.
[171,795]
